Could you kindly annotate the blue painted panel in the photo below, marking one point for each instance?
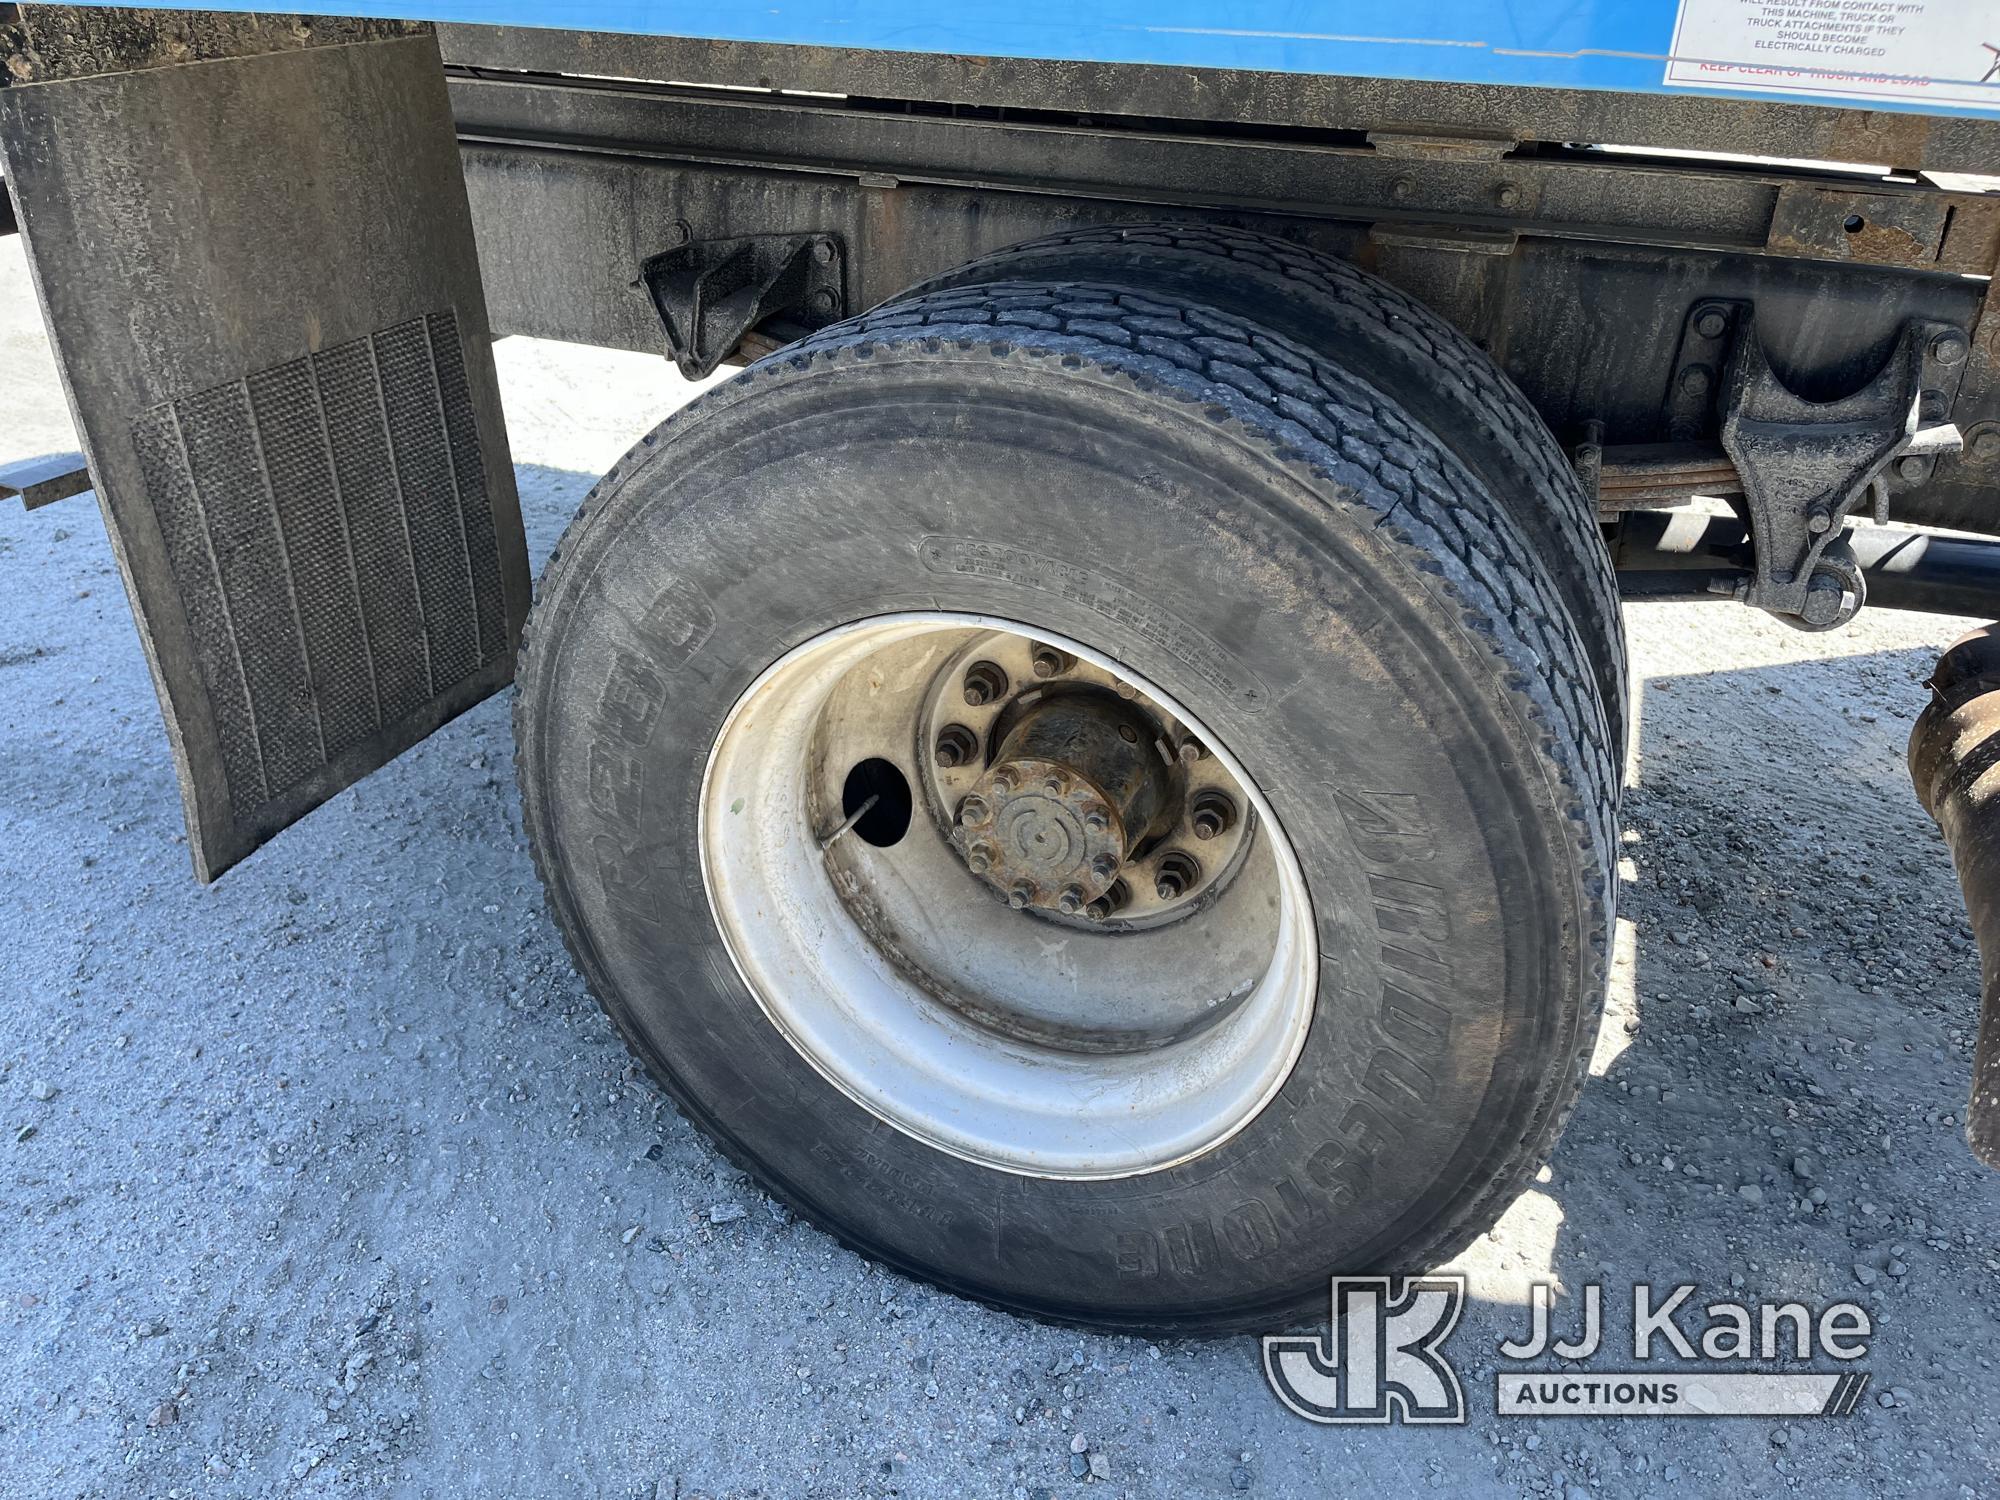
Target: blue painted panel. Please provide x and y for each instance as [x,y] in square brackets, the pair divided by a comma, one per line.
[1932,56]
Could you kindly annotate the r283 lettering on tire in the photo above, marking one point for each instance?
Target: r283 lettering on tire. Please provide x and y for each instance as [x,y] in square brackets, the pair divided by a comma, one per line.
[1085,797]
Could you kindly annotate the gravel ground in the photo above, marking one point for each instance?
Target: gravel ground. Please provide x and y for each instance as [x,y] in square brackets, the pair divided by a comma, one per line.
[332,1178]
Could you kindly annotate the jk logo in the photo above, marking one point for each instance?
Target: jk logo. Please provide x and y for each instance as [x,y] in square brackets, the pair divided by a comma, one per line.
[1379,1360]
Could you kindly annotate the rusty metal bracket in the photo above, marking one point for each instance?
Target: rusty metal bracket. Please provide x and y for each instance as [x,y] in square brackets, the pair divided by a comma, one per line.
[1807,465]
[1919,228]
[710,293]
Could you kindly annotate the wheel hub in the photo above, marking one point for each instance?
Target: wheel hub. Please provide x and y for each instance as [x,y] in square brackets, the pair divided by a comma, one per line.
[1076,785]
[1057,1044]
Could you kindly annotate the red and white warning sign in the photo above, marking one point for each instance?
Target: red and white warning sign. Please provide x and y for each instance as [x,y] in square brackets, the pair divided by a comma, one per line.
[1934,51]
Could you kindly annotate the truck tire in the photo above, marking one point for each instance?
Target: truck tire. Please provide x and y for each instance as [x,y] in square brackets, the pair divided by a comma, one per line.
[1445,381]
[875,961]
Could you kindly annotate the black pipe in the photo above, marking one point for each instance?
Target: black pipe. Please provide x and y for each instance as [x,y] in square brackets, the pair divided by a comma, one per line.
[1682,555]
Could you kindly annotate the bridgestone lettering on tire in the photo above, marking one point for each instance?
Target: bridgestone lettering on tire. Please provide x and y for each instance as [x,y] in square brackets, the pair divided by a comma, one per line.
[1281,551]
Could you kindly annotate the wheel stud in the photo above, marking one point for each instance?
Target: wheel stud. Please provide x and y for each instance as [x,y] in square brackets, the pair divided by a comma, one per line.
[1109,902]
[974,809]
[1177,873]
[1049,662]
[1022,894]
[984,683]
[955,745]
[1213,814]
[979,858]
[1191,751]
[1070,902]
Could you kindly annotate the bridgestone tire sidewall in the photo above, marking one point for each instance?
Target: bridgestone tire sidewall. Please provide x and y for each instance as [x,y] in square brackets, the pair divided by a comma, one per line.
[1459,907]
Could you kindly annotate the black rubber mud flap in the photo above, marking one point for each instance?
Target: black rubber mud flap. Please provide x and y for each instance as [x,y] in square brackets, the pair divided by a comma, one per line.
[251,242]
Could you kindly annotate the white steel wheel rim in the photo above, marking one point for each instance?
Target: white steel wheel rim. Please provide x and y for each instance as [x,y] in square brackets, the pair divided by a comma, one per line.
[889,1034]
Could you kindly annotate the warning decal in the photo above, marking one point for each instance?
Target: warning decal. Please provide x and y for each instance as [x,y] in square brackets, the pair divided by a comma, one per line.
[1938,51]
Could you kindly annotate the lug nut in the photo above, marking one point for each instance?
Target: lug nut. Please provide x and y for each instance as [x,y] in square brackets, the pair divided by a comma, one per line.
[1003,780]
[1055,786]
[1104,866]
[1177,873]
[1190,751]
[979,858]
[984,683]
[1213,814]
[1050,662]
[1097,819]
[955,745]
[1109,902]
[1070,902]
[974,809]
[1021,895]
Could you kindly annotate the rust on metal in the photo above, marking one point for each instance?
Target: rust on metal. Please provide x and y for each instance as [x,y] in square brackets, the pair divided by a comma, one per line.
[1955,767]
[1070,796]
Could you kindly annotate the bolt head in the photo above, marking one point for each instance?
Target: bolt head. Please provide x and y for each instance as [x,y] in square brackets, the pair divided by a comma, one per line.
[1021,895]
[1818,520]
[1190,752]
[1912,467]
[1401,189]
[1694,380]
[1711,323]
[1507,195]
[1949,347]
[1070,902]
[1986,445]
[823,252]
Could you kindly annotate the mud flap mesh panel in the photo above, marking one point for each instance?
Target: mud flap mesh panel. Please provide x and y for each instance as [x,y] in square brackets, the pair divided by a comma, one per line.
[293,549]
[256,260]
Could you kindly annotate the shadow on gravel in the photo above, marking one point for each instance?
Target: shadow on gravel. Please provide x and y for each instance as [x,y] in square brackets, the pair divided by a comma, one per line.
[1786,1054]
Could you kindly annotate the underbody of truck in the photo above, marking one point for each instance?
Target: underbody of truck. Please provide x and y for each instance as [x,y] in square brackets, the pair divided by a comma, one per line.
[1092,766]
